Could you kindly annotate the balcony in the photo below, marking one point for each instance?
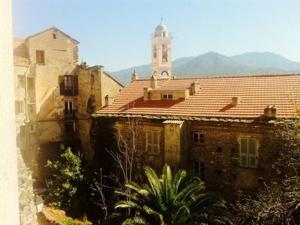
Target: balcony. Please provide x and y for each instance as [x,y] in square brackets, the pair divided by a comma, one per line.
[68,85]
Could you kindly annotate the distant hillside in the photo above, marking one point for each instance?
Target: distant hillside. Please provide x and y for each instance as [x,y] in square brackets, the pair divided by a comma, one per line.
[213,63]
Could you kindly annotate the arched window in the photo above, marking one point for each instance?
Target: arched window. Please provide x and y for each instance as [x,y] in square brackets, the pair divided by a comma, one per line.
[164,53]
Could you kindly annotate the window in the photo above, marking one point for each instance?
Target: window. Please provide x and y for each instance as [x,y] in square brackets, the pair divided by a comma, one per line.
[68,85]
[30,82]
[167,96]
[199,169]
[152,141]
[40,57]
[54,35]
[198,138]
[69,107]
[19,107]
[68,82]
[248,152]
[21,81]
[70,127]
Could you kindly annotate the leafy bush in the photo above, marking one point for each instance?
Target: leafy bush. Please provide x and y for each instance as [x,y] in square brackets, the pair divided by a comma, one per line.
[63,184]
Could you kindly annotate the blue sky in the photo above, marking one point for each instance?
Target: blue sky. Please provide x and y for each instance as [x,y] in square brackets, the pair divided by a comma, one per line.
[116,33]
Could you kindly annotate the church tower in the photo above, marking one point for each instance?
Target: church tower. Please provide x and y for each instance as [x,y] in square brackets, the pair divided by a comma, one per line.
[161,52]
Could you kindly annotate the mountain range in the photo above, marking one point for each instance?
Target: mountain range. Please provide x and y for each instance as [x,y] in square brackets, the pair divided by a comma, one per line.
[215,64]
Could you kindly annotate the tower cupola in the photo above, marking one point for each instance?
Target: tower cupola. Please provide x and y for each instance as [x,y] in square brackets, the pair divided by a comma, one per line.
[161,52]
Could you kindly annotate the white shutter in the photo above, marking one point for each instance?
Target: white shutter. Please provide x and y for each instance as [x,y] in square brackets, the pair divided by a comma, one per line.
[252,153]
[244,152]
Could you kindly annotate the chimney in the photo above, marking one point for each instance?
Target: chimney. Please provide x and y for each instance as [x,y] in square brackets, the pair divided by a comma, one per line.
[153,82]
[134,76]
[195,87]
[235,100]
[270,112]
[146,95]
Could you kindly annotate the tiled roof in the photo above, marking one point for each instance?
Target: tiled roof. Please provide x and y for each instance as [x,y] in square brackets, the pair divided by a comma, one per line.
[20,54]
[215,97]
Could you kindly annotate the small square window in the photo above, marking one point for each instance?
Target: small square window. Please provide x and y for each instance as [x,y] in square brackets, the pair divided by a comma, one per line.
[198,137]
[167,96]
[54,35]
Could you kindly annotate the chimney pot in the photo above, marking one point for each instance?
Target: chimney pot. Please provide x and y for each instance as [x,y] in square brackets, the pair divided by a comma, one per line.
[235,100]
[270,112]
[153,82]
[195,87]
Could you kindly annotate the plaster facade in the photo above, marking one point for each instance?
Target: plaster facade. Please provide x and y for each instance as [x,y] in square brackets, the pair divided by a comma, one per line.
[55,96]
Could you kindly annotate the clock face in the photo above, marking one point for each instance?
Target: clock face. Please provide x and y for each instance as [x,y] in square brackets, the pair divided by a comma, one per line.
[164,74]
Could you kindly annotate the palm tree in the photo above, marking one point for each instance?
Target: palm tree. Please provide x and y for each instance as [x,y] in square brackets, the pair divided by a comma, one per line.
[168,200]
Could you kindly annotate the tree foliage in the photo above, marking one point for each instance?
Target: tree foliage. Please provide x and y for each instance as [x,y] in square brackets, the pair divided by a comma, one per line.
[63,184]
[278,201]
[168,200]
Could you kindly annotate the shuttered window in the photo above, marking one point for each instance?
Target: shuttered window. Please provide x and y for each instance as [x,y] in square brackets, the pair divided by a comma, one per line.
[248,152]
[40,57]
[68,85]
[152,142]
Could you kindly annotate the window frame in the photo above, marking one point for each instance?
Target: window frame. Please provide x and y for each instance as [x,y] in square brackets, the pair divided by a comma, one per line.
[200,138]
[152,141]
[167,96]
[200,170]
[245,157]
[40,57]
[69,106]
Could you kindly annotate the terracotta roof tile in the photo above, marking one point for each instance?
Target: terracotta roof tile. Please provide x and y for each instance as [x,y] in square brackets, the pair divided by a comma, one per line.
[214,98]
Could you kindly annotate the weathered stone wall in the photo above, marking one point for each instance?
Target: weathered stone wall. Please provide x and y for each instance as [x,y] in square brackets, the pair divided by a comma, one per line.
[27,206]
[219,152]
[93,81]
[109,87]
[59,60]
[9,213]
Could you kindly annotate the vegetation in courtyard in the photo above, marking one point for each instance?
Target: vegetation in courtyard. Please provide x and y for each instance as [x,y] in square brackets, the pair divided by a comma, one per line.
[278,201]
[63,184]
[168,200]
[58,217]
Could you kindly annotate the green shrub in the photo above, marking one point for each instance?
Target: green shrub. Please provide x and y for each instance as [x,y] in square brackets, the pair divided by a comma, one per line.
[63,184]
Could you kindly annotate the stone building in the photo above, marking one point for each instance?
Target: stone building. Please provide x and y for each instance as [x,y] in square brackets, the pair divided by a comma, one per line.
[222,128]
[55,95]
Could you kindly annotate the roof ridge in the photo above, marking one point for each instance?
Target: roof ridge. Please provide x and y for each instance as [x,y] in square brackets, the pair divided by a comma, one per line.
[55,28]
[229,76]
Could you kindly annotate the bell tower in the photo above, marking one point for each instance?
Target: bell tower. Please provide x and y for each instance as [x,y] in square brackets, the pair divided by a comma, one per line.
[161,52]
